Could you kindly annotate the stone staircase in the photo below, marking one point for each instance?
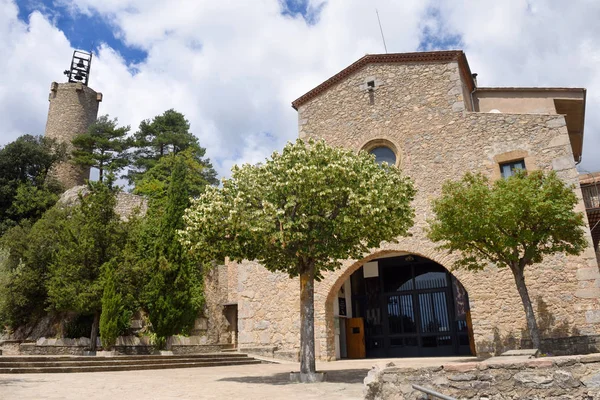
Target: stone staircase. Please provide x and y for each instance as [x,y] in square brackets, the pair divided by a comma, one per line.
[52,364]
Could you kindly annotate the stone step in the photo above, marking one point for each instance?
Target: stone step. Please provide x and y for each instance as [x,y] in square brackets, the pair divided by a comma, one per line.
[121,357]
[100,361]
[117,367]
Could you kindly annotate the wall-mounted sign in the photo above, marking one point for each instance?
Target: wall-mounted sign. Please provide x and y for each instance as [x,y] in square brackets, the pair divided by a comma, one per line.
[371,269]
[342,304]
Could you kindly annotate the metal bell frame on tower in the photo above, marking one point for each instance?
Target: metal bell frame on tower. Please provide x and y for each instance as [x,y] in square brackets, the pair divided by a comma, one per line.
[80,67]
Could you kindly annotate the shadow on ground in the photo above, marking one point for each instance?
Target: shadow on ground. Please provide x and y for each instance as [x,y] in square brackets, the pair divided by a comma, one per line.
[13,381]
[333,376]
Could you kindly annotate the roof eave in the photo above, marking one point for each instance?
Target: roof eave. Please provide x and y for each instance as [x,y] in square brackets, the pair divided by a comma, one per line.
[417,57]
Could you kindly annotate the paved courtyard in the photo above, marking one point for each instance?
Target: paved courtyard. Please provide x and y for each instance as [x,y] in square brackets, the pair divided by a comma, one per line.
[264,381]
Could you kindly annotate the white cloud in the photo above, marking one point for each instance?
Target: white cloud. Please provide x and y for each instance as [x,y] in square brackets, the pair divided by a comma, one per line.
[32,56]
[535,43]
[233,68]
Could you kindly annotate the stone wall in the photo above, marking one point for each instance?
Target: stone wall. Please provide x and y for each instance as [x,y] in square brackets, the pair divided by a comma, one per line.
[73,108]
[128,204]
[129,345]
[199,349]
[12,347]
[575,377]
[216,287]
[419,110]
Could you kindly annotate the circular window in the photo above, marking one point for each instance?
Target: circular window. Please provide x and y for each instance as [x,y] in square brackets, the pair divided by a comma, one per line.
[384,154]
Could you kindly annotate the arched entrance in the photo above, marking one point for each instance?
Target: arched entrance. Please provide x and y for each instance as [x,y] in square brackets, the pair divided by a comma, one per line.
[402,306]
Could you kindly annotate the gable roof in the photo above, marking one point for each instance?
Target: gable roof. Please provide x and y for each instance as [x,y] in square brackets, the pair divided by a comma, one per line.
[404,58]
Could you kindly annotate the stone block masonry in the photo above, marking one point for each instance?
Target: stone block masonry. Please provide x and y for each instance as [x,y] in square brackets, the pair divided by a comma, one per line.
[573,377]
[73,108]
[422,111]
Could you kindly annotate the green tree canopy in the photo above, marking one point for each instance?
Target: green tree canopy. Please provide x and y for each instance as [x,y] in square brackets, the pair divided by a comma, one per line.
[165,134]
[511,222]
[25,188]
[302,212]
[104,146]
[155,182]
[29,251]
[92,236]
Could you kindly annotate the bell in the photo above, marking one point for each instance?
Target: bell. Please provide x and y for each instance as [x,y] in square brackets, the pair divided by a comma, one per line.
[79,77]
[80,64]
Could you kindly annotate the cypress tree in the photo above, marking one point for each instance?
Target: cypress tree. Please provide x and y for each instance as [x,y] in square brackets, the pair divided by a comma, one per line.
[114,317]
[173,294]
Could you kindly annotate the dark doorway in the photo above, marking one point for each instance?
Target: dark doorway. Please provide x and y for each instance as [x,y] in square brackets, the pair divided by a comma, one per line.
[412,307]
[231,314]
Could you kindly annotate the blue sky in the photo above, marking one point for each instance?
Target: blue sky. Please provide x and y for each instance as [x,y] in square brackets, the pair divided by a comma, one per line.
[85,32]
[234,67]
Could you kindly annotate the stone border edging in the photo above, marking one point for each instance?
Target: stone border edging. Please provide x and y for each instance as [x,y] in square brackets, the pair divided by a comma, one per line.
[515,377]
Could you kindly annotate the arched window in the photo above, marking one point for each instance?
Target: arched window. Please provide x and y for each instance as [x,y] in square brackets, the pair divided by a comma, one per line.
[384,154]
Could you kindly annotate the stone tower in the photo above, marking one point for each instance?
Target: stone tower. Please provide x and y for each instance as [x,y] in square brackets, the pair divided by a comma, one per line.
[73,108]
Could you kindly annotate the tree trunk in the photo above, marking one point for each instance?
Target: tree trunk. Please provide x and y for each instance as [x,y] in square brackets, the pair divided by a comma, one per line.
[307,323]
[529,315]
[101,169]
[94,333]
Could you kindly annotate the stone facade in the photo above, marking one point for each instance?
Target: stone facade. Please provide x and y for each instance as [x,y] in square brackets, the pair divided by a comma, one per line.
[551,378]
[73,108]
[423,111]
[216,289]
[128,204]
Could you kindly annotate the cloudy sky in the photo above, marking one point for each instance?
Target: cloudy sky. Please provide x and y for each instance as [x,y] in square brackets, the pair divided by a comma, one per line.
[234,66]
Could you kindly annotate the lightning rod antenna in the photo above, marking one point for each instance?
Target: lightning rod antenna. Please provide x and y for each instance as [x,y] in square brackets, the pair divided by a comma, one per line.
[381,30]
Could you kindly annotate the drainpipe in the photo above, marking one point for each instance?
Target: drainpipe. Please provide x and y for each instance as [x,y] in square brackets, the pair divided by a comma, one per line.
[474,76]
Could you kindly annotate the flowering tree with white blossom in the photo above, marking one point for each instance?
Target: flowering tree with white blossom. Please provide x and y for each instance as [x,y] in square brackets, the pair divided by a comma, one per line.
[301,212]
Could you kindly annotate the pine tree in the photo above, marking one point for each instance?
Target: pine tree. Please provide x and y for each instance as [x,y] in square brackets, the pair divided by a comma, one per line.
[155,182]
[166,134]
[104,146]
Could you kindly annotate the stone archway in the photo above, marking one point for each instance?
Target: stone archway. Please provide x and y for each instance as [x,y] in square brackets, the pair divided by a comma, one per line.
[442,296]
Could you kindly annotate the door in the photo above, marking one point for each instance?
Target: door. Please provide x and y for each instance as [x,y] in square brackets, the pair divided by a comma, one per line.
[436,330]
[355,338]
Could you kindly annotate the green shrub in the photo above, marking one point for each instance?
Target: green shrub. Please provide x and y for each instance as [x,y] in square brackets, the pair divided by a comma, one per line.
[114,319]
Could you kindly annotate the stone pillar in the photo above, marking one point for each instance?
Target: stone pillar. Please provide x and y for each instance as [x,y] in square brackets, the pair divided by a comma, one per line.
[73,108]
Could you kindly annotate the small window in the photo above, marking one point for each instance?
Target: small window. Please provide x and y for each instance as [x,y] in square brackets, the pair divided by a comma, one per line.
[382,154]
[371,84]
[510,168]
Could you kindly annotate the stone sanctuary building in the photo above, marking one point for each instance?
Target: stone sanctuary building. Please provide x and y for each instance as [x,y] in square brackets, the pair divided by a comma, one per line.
[425,113]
